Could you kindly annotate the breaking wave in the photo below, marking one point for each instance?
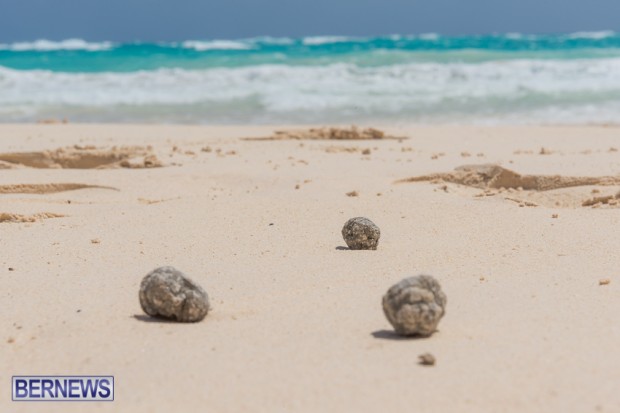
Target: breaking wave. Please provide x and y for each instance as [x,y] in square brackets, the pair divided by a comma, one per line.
[516,78]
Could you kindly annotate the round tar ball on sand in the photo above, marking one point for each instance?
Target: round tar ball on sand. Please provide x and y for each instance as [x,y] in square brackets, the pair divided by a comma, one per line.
[415,305]
[361,234]
[168,293]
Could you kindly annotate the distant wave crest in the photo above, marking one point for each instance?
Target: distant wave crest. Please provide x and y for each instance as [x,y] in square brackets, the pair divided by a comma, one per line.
[201,46]
[43,45]
[424,41]
[592,35]
[320,40]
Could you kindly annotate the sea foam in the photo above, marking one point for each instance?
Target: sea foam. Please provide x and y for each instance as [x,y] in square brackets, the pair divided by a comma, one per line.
[397,78]
[321,40]
[49,45]
[216,45]
[553,91]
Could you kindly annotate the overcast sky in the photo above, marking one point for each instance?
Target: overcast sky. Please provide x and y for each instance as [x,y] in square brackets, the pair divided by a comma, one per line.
[128,20]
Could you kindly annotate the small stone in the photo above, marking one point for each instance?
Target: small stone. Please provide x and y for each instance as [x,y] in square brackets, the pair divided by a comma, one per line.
[168,293]
[361,234]
[352,194]
[366,151]
[604,281]
[426,359]
[415,305]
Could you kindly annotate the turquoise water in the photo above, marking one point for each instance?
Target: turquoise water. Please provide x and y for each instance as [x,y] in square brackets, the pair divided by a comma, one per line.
[509,78]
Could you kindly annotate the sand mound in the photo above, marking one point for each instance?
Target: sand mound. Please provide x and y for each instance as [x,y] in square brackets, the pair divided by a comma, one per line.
[352,133]
[490,176]
[89,157]
[6,217]
[554,191]
[9,165]
[45,188]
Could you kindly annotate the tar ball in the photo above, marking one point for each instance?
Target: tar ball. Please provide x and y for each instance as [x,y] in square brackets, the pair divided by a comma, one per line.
[166,292]
[361,234]
[415,305]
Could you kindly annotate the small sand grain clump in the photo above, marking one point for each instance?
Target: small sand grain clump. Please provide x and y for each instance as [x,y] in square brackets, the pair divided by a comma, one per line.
[361,234]
[415,305]
[426,359]
[168,293]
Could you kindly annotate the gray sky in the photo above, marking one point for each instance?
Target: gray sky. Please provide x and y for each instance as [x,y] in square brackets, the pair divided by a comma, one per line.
[127,20]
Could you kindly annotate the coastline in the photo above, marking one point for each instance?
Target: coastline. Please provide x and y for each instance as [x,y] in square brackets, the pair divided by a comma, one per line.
[297,323]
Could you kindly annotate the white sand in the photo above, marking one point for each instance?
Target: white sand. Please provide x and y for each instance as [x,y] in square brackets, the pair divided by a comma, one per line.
[297,324]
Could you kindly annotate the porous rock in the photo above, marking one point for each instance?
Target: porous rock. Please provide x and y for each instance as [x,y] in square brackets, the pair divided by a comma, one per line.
[361,234]
[415,305]
[166,292]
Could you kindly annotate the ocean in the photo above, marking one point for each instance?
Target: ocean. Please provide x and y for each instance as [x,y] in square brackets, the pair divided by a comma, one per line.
[428,79]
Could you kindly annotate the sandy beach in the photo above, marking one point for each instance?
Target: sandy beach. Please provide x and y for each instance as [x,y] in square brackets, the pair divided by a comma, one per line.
[531,276]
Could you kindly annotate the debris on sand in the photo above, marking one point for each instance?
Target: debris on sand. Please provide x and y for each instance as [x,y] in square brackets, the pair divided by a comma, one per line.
[361,234]
[415,305]
[426,359]
[168,293]
[328,133]
[600,200]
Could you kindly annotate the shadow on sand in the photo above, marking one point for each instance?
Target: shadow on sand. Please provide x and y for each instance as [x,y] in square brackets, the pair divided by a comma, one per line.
[391,335]
[149,319]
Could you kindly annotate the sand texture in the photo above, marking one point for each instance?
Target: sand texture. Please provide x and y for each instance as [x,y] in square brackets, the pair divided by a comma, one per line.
[44,188]
[524,245]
